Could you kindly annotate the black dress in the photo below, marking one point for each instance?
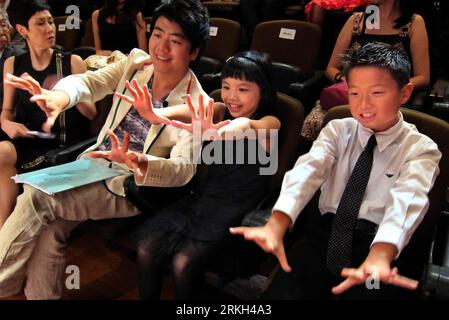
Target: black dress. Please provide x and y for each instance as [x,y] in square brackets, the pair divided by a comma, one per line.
[70,127]
[360,37]
[231,187]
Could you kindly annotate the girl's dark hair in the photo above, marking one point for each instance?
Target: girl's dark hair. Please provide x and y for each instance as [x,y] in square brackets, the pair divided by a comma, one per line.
[20,11]
[255,67]
[126,14]
[191,16]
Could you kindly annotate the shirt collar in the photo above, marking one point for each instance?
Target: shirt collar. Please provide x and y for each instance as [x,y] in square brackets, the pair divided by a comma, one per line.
[384,138]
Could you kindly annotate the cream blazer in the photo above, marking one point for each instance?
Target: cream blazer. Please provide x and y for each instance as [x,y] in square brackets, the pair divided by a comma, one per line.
[169,150]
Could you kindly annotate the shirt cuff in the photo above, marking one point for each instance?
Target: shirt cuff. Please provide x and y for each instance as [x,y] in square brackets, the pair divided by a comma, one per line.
[151,177]
[67,86]
[391,234]
[289,206]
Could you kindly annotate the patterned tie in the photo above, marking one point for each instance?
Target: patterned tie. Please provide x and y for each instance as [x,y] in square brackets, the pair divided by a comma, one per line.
[340,241]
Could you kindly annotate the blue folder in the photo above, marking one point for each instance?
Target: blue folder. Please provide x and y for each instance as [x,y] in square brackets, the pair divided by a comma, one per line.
[67,176]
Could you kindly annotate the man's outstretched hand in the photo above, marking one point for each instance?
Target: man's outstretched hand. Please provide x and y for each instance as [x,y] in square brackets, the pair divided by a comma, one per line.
[119,153]
[141,100]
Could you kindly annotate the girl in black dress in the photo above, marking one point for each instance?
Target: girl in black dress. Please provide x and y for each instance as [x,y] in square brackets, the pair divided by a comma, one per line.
[194,230]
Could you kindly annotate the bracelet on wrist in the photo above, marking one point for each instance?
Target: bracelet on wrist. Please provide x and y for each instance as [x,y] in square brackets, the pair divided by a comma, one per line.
[338,77]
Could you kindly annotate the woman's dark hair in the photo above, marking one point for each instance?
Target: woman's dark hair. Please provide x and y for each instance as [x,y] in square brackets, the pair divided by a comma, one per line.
[20,11]
[191,16]
[255,67]
[406,13]
[124,15]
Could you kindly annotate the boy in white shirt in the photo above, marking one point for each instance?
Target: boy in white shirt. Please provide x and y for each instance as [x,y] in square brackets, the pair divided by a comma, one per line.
[404,167]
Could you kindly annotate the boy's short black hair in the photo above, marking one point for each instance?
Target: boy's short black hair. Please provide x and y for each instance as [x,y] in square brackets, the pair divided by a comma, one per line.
[382,55]
[192,17]
[20,11]
[255,67]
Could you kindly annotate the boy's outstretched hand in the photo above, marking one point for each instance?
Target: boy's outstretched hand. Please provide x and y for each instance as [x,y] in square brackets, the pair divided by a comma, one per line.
[51,102]
[142,101]
[377,266]
[269,237]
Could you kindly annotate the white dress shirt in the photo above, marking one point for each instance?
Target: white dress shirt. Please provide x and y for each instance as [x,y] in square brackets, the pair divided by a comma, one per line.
[405,167]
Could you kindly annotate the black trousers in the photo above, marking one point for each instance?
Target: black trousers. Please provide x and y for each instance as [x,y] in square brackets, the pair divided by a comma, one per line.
[310,279]
[150,200]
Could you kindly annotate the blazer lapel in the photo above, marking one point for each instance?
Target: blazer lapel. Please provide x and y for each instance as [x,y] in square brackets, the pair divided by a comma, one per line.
[175,97]
[153,134]
[142,77]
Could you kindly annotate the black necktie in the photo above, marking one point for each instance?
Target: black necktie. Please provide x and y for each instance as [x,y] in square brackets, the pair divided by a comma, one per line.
[340,241]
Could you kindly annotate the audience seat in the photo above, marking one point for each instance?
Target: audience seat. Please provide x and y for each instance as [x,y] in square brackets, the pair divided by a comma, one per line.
[67,38]
[290,42]
[87,46]
[88,36]
[295,11]
[293,46]
[222,9]
[438,99]
[224,41]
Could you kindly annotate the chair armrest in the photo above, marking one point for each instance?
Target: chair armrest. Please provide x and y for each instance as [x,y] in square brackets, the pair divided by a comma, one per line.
[211,81]
[435,282]
[286,74]
[206,65]
[308,91]
[59,48]
[418,100]
[84,51]
[63,155]
[259,216]
[440,109]
[211,76]
[298,87]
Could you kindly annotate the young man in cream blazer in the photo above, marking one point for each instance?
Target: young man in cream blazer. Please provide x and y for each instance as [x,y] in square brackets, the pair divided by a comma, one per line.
[32,241]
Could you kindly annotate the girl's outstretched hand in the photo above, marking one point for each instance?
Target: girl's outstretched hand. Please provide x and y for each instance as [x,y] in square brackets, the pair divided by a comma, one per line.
[141,100]
[202,119]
